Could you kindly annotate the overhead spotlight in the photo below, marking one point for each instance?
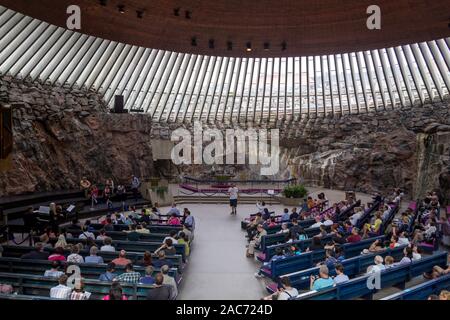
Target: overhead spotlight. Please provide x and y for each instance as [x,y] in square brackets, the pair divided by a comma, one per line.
[211,43]
[283,46]
[230,45]
[266,46]
[103,2]
[248,47]
[121,8]
[194,41]
[176,12]
[188,14]
[140,14]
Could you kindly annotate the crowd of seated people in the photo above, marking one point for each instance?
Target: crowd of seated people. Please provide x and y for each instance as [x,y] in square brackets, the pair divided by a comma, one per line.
[164,285]
[397,233]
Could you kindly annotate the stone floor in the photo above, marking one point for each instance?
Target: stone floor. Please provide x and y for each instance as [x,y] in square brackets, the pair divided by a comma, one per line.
[218,268]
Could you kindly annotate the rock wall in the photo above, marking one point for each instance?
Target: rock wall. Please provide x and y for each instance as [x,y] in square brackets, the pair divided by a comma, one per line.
[61,134]
[407,148]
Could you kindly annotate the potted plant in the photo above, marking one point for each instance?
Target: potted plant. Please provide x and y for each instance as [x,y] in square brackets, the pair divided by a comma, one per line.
[293,195]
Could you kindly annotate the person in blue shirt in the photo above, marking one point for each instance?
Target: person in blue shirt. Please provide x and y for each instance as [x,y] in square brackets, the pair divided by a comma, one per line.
[324,281]
[285,217]
[148,278]
[110,274]
[279,254]
[339,254]
[189,220]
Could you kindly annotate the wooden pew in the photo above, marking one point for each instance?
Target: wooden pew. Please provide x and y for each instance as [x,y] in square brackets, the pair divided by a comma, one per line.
[40,286]
[89,271]
[18,251]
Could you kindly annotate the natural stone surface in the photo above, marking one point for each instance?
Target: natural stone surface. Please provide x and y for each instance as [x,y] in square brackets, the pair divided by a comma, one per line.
[62,134]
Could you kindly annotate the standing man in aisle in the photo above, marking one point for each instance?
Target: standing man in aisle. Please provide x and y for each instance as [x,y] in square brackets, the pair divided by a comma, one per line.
[233,193]
[135,184]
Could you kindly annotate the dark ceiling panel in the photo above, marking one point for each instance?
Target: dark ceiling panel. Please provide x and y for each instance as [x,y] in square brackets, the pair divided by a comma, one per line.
[308,27]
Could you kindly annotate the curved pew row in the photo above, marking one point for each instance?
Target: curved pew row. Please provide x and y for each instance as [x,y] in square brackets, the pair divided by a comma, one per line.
[422,291]
[134,246]
[308,259]
[88,270]
[17,252]
[395,276]
[39,286]
[353,267]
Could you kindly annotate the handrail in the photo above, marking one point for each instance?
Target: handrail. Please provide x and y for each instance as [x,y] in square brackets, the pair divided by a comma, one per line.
[237,181]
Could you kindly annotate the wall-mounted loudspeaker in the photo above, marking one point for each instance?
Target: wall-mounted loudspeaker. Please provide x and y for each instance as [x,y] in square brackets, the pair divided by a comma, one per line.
[119,104]
[6,131]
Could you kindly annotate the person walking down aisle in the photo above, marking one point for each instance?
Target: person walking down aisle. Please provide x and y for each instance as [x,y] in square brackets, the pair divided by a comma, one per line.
[233,193]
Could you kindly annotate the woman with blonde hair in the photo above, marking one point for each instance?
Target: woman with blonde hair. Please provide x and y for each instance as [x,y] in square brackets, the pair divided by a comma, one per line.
[61,241]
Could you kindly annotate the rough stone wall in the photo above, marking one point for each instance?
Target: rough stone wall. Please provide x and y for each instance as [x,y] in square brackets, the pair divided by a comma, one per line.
[61,134]
[407,148]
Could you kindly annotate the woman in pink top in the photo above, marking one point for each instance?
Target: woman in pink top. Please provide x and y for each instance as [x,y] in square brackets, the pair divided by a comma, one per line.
[58,255]
[174,220]
[115,293]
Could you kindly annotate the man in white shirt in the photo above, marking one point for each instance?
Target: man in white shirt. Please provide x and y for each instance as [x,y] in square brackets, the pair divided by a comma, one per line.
[61,291]
[328,221]
[355,217]
[340,276]
[378,266]
[318,222]
[170,281]
[233,193]
[107,245]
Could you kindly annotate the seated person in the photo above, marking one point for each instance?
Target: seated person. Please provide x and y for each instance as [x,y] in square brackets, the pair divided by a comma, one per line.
[93,257]
[129,276]
[255,241]
[54,272]
[162,260]
[167,247]
[107,245]
[389,262]
[115,293]
[79,293]
[376,246]
[340,276]
[323,281]
[285,217]
[285,291]
[172,236]
[159,291]
[146,259]
[58,255]
[169,281]
[122,260]
[110,274]
[279,254]
[330,260]
[75,256]
[318,223]
[378,266]
[284,228]
[61,291]
[356,216]
[148,278]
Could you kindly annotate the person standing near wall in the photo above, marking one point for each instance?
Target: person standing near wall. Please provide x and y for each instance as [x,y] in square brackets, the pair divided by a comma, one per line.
[233,192]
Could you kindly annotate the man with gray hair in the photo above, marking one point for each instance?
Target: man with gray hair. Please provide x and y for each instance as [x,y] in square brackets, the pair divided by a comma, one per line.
[93,257]
[323,281]
[169,281]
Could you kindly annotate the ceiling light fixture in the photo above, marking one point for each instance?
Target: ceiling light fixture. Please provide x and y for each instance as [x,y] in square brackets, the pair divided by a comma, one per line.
[266,46]
[194,41]
[230,45]
[211,43]
[248,47]
[103,2]
[283,46]
[176,12]
[121,8]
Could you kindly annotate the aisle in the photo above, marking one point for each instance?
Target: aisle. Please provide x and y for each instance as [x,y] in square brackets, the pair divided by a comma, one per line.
[218,268]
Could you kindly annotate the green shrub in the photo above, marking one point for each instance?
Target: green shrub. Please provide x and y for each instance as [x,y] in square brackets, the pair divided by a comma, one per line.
[295,191]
